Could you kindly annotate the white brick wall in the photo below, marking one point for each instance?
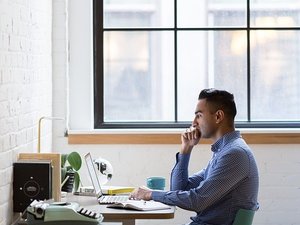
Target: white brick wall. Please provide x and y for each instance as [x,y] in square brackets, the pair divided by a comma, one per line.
[25,85]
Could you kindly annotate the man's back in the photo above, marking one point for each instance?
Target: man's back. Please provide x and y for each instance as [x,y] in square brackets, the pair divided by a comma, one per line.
[233,158]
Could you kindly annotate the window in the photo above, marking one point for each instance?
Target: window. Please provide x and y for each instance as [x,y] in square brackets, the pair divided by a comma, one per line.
[153,57]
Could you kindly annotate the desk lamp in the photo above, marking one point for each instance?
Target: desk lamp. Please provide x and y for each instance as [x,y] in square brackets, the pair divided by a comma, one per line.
[39,129]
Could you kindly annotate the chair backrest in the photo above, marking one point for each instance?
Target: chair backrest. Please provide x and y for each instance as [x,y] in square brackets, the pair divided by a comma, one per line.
[244,217]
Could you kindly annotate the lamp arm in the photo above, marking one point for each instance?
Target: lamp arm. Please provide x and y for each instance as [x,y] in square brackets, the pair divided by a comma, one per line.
[39,129]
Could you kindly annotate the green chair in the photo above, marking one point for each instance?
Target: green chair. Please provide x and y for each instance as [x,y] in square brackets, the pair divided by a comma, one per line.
[244,217]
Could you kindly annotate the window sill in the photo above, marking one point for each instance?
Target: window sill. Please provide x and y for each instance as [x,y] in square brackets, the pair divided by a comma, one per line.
[172,136]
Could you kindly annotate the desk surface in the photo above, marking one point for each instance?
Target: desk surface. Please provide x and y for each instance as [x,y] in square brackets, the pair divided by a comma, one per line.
[111,214]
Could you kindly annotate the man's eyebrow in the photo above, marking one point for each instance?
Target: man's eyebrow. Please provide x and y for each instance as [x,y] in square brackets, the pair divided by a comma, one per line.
[199,111]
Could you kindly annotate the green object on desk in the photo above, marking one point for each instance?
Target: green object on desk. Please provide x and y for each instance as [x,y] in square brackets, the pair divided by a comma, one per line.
[70,165]
[64,213]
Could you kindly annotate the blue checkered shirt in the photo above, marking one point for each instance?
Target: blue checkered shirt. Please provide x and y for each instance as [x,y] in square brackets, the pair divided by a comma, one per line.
[229,182]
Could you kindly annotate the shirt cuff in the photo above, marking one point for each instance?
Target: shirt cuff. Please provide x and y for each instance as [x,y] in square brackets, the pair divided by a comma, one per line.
[158,195]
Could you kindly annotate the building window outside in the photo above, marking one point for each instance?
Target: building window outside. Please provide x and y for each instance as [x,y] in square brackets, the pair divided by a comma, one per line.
[157,55]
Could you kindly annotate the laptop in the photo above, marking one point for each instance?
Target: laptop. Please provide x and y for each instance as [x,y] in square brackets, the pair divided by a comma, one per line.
[102,199]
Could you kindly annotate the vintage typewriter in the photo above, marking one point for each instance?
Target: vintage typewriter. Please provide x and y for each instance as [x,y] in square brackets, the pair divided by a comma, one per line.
[61,213]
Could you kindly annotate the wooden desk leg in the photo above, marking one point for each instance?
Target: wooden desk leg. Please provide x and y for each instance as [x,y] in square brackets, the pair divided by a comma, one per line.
[128,222]
[123,222]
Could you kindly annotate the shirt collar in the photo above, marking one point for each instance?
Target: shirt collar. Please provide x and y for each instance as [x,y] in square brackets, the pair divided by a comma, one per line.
[219,144]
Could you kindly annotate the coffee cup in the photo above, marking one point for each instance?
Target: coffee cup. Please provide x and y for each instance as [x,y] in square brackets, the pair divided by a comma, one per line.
[156,183]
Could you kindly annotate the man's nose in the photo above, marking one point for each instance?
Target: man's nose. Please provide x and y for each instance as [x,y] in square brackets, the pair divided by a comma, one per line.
[194,123]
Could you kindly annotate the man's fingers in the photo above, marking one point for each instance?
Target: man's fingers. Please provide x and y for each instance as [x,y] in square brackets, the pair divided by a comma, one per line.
[191,133]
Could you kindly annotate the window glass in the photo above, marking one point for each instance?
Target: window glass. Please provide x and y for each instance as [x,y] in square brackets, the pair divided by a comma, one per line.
[274,13]
[138,13]
[275,80]
[195,13]
[211,59]
[138,76]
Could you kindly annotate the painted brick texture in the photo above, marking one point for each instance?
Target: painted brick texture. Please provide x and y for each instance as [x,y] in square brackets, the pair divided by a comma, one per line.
[25,85]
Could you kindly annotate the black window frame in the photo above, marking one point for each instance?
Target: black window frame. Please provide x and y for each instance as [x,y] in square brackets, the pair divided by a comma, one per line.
[98,30]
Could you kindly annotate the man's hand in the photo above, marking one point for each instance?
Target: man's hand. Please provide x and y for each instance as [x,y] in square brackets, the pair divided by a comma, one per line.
[141,193]
[189,139]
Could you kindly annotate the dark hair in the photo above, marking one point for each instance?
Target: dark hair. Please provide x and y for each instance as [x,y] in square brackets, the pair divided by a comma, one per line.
[219,99]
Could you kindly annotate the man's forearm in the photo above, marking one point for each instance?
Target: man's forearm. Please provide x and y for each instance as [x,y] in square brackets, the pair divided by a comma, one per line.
[179,174]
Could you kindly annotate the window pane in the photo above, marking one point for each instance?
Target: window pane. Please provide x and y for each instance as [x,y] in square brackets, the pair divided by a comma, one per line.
[195,13]
[192,71]
[138,76]
[138,13]
[275,71]
[275,13]
[139,64]
[211,59]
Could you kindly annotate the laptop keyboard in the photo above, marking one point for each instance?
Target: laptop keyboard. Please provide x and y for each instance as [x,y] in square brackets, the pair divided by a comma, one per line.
[109,199]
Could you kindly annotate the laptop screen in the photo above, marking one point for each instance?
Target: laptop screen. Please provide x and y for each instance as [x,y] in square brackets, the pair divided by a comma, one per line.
[93,174]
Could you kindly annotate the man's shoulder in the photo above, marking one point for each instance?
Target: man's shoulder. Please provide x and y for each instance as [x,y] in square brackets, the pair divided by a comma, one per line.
[237,147]
[236,143]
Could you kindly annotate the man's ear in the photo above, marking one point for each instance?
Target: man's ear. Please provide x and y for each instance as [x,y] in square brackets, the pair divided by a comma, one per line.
[219,116]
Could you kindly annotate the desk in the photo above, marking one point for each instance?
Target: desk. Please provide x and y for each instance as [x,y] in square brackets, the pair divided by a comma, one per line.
[126,217]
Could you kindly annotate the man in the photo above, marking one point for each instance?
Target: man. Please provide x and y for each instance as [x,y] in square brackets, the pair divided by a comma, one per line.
[230,180]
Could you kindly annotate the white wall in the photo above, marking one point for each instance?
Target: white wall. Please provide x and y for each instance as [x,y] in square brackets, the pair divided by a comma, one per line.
[25,85]
[80,64]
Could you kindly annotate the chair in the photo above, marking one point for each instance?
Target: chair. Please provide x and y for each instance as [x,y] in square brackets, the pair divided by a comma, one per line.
[244,217]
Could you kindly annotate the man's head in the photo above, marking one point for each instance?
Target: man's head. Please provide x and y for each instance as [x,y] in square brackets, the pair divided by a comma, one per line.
[215,112]
[219,100]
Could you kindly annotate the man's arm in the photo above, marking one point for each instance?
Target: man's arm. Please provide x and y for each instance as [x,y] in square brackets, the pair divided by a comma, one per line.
[231,169]
[179,178]
[179,175]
